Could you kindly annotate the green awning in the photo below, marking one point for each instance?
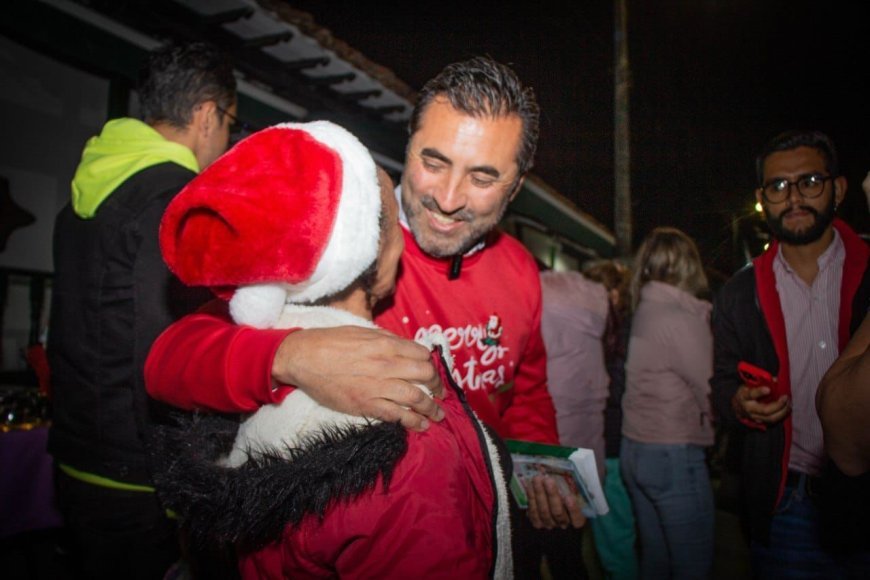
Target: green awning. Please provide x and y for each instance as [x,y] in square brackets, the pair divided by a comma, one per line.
[561,218]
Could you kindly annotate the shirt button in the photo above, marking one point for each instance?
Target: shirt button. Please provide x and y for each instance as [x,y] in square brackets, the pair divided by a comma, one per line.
[823,345]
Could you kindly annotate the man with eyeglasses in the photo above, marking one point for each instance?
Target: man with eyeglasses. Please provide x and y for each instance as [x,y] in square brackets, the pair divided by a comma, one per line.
[791,312]
[112,296]
[238,129]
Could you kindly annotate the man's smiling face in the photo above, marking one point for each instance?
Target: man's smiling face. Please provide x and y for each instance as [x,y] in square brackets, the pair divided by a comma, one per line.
[460,174]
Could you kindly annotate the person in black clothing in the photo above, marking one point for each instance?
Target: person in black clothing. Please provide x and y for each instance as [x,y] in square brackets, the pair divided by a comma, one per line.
[113,295]
[790,312]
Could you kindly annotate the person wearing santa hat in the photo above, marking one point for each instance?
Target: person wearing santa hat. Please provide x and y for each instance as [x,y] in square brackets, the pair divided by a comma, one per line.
[295,229]
[473,135]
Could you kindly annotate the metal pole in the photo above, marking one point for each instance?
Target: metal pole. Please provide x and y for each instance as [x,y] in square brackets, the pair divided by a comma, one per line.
[621,156]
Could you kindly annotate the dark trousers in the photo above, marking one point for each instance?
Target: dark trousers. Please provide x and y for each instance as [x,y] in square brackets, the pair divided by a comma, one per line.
[796,549]
[116,534]
[562,548]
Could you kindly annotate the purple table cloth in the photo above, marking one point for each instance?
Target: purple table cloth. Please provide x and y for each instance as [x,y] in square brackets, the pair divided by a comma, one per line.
[26,483]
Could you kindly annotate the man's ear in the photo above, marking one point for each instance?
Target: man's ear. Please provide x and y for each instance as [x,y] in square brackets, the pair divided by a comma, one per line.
[517,187]
[204,119]
[203,123]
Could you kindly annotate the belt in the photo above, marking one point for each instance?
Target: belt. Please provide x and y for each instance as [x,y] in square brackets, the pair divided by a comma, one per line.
[793,479]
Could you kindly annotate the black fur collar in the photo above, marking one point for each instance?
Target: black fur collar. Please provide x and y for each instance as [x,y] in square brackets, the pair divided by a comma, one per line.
[251,505]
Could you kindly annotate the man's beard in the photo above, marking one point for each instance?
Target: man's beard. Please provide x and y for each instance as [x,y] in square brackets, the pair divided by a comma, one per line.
[441,246]
[808,236]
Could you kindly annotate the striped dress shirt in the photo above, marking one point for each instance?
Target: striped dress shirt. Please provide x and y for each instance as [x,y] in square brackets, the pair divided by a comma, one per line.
[811,315]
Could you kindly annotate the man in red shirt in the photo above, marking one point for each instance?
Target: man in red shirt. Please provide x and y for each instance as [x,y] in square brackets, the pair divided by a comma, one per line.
[473,136]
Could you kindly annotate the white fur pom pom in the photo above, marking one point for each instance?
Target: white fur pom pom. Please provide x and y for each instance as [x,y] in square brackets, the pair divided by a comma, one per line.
[432,339]
[258,305]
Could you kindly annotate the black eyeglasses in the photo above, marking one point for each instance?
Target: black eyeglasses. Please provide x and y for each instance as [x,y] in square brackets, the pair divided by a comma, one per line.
[809,186]
[238,128]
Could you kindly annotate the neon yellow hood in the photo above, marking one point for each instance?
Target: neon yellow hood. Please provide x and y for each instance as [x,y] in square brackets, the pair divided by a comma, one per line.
[125,147]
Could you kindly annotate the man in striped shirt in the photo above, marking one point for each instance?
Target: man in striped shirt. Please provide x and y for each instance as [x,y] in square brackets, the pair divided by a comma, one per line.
[790,312]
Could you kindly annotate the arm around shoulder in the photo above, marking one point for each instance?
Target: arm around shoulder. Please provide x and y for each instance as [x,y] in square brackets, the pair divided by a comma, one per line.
[206,361]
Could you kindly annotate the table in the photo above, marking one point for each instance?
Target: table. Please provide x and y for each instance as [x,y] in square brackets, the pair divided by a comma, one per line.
[26,482]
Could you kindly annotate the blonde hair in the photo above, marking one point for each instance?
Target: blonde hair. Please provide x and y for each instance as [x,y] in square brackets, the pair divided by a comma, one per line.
[668,255]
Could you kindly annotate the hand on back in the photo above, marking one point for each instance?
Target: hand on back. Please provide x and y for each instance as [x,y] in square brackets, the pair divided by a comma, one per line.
[362,371]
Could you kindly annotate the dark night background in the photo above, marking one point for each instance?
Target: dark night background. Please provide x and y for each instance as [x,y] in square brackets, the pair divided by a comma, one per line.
[712,80]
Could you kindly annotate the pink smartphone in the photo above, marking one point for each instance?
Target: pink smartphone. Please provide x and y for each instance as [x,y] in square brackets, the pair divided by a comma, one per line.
[755,376]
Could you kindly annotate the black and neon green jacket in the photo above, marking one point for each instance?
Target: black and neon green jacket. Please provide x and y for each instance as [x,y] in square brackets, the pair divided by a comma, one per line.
[112,296]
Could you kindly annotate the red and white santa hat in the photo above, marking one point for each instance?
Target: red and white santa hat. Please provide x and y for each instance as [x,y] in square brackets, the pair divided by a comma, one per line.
[290,214]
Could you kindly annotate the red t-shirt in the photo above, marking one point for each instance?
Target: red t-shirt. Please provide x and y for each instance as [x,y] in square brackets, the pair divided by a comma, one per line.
[491,317]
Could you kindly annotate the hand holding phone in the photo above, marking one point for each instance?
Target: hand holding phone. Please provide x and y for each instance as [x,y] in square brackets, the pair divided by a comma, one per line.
[756,377]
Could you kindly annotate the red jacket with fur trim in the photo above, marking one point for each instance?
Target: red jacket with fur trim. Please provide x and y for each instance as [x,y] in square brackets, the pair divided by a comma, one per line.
[305,491]
[436,519]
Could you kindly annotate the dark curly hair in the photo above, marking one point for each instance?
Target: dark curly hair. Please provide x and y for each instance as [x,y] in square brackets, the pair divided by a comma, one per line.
[792,140]
[483,87]
[179,76]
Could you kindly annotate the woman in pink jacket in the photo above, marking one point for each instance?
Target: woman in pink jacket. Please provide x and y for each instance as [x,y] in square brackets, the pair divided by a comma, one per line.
[667,422]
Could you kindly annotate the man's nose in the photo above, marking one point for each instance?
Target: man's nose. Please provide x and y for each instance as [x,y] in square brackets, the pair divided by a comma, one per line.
[794,196]
[451,197]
